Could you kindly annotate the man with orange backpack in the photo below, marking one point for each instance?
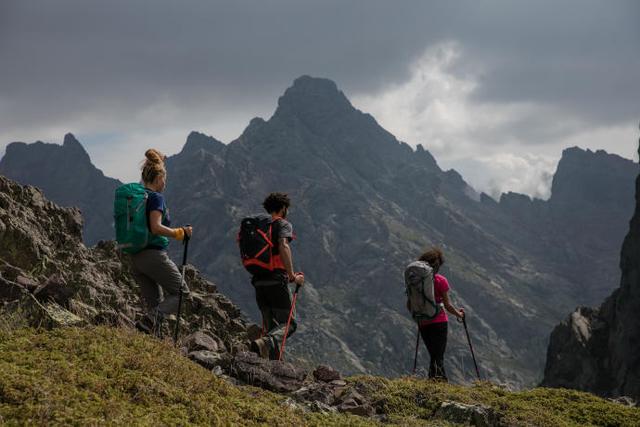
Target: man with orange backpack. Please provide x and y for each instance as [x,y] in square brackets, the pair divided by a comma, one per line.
[266,254]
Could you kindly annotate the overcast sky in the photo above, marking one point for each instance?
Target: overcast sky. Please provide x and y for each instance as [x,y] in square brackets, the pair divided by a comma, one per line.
[494,89]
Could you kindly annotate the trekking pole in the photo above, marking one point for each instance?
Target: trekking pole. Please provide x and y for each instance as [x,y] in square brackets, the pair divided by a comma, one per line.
[185,242]
[286,330]
[415,359]
[464,322]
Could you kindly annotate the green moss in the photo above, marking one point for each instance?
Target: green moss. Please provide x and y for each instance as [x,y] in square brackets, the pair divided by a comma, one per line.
[110,376]
[537,407]
[101,376]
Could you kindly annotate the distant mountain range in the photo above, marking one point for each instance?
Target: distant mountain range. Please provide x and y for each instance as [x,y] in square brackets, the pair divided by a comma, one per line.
[364,205]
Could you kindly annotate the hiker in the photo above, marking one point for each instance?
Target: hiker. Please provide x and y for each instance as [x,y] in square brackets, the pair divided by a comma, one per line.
[152,268]
[434,332]
[271,265]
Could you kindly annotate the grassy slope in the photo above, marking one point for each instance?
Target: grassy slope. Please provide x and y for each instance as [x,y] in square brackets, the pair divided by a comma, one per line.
[538,407]
[109,376]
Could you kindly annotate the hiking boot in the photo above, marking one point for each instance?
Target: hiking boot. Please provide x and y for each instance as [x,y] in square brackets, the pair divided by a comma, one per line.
[157,325]
[260,348]
[170,317]
[145,325]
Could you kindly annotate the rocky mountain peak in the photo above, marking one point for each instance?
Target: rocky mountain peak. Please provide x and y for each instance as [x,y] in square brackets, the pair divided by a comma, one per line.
[70,141]
[199,141]
[427,157]
[313,98]
[72,146]
[71,150]
[585,175]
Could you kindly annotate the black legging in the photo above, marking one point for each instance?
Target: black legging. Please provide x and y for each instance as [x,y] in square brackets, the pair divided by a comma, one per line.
[435,338]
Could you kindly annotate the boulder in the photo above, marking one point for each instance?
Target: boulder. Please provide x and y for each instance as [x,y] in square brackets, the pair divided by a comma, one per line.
[208,359]
[354,403]
[29,284]
[56,288]
[460,413]
[326,374]
[316,393]
[201,341]
[626,401]
[273,375]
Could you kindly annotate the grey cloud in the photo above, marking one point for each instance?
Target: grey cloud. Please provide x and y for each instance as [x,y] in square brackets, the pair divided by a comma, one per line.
[582,56]
[65,59]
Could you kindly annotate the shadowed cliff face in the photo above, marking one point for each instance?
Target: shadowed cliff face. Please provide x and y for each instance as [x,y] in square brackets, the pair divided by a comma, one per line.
[598,350]
[579,230]
[364,205]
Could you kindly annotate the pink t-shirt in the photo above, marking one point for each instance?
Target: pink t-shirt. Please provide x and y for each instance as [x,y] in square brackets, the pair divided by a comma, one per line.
[441,285]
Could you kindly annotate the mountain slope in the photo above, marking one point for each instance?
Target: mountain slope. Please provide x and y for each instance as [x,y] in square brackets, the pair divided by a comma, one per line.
[366,204]
[579,230]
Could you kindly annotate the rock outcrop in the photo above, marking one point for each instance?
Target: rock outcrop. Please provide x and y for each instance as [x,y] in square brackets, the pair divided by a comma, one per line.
[598,350]
[49,278]
[67,177]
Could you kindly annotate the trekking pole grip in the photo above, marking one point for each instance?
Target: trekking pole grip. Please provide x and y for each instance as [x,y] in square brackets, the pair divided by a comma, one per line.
[185,242]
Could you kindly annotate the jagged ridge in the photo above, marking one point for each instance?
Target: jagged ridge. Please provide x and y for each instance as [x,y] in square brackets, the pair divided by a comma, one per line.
[598,350]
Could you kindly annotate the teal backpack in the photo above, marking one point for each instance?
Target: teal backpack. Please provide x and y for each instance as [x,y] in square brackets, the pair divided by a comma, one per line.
[130,214]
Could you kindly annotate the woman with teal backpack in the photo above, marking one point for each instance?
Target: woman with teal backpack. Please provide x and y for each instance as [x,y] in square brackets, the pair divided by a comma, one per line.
[152,268]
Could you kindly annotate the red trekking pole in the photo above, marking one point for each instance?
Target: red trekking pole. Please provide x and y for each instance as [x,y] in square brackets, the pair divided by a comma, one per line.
[286,330]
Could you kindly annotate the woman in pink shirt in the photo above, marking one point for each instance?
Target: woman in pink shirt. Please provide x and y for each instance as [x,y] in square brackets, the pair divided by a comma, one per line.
[434,332]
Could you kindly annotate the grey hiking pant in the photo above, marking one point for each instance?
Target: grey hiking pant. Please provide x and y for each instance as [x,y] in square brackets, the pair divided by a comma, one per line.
[274,301]
[159,280]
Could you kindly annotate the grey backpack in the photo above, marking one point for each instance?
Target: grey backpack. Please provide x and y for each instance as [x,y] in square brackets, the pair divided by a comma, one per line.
[419,283]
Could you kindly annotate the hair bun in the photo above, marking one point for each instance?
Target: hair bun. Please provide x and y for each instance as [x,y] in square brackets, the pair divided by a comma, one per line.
[154,156]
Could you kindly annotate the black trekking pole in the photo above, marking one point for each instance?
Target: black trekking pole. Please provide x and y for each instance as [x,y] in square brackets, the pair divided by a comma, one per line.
[286,330]
[464,322]
[415,359]
[185,242]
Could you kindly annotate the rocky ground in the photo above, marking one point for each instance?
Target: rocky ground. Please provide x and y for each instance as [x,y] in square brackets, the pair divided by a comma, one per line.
[49,279]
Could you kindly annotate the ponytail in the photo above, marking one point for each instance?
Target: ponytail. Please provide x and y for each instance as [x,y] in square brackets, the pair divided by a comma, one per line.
[153,165]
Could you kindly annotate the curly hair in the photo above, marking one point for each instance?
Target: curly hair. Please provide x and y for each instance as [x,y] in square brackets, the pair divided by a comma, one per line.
[276,201]
[434,258]
[153,165]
